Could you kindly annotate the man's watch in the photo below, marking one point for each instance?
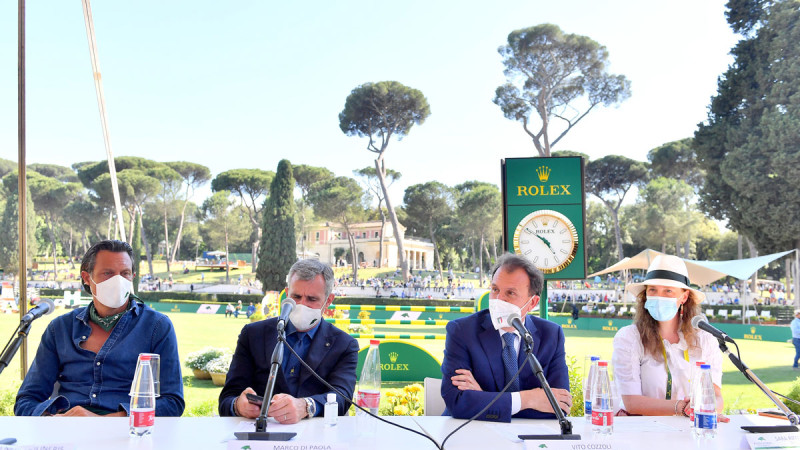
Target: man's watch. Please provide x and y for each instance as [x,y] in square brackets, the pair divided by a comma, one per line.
[311,407]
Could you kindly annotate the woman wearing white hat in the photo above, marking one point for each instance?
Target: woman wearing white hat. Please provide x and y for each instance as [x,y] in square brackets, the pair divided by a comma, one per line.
[654,357]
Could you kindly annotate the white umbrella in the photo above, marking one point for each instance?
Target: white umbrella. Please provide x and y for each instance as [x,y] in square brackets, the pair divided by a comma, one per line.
[698,274]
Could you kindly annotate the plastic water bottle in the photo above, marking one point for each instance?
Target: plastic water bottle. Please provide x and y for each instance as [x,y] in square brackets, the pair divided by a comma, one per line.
[602,407]
[694,381]
[705,408]
[331,411]
[588,385]
[369,388]
[143,399]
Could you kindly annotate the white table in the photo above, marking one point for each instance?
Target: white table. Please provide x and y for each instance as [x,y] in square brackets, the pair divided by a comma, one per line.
[652,433]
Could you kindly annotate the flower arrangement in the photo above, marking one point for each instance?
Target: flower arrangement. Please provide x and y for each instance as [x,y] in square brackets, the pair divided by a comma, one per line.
[220,364]
[199,359]
[403,402]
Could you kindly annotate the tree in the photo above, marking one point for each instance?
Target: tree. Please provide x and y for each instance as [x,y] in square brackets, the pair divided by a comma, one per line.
[600,246]
[7,166]
[49,196]
[663,214]
[609,179]
[169,181]
[9,223]
[430,204]
[86,217]
[223,223]
[305,176]
[340,199]
[370,177]
[548,74]
[278,247]
[677,159]
[379,111]
[251,186]
[480,210]
[194,176]
[136,245]
[60,173]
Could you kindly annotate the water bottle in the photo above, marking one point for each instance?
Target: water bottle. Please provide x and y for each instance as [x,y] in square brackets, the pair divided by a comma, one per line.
[602,408]
[694,381]
[705,408]
[331,410]
[369,388]
[143,399]
[588,385]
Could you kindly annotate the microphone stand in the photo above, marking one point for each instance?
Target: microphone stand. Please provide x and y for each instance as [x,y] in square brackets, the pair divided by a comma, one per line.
[261,433]
[563,422]
[793,418]
[12,347]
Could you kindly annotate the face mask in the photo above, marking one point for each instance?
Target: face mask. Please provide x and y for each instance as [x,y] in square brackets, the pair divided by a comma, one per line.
[661,308]
[305,318]
[499,311]
[113,292]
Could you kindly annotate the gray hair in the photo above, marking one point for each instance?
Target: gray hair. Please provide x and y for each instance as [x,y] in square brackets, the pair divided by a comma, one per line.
[308,269]
[511,262]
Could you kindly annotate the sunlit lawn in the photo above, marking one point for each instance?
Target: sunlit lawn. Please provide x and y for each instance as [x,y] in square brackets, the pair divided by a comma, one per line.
[771,361]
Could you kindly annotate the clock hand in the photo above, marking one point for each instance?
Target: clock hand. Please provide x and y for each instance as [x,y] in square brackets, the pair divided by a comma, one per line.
[546,242]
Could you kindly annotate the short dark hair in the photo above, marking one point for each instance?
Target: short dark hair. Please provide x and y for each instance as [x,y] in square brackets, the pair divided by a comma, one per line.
[511,262]
[308,269]
[90,258]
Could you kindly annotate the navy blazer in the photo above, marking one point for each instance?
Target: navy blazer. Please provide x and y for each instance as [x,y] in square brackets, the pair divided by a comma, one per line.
[473,344]
[333,354]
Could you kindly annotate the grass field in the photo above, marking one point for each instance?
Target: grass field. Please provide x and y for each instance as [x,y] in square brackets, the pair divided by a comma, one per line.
[771,361]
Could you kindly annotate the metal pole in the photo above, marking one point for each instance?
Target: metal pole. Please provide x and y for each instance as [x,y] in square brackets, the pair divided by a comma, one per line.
[22,185]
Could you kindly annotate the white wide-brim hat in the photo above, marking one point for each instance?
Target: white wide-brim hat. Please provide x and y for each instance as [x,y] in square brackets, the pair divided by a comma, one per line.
[666,270]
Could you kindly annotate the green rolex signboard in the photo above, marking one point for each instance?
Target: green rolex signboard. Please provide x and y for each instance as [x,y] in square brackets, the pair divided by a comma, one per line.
[543,215]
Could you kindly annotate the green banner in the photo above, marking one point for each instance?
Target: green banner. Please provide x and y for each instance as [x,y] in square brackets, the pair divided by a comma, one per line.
[401,361]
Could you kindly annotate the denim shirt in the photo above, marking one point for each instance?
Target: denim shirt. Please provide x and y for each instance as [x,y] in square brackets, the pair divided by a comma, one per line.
[64,375]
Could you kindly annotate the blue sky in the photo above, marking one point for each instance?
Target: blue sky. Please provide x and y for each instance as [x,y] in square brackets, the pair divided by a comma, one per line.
[247,83]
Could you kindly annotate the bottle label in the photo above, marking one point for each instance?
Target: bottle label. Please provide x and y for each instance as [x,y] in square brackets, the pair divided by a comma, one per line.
[707,421]
[143,418]
[602,418]
[367,399]
[691,414]
[587,408]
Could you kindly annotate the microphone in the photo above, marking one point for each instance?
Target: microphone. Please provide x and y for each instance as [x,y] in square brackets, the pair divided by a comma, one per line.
[701,323]
[516,321]
[286,308]
[44,307]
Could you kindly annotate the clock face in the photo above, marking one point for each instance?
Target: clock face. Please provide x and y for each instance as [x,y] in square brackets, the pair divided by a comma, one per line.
[548,239]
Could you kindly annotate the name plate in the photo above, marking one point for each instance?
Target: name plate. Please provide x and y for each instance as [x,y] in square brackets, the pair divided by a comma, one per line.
[284,445]
[773,441]
[591,444]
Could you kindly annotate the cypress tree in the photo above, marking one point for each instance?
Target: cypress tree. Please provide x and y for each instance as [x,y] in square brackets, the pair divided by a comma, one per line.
[277,249]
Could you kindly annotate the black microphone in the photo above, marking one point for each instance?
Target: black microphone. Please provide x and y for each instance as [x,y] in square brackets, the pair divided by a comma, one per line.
[516,321]
[701,323]
[286,308]
[45,306]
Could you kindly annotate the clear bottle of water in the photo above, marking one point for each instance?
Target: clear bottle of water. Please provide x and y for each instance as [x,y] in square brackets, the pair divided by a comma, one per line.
[705,408]
[588,385]
[694,380]
[331,411]
[143,399]
[602,407]
[369,388]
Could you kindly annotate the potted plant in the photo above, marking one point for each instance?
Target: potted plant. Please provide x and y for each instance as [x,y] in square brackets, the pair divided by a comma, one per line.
[197,361]
[218,368]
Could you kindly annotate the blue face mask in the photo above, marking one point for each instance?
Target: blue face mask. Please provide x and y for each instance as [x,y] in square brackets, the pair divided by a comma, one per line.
[661,308]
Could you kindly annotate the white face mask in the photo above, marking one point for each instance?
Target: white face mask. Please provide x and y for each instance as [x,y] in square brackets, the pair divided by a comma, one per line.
[304,318]
[113,292]
[499,310]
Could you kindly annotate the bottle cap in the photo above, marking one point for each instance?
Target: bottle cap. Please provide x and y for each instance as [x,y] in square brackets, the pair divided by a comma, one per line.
[331,398]
[699,363]
[705,366]
[374,342]
[144,357]
[603,363]
[595,358]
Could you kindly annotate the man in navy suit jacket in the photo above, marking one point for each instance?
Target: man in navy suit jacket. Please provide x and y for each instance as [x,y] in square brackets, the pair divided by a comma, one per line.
[473,370]
[332,353]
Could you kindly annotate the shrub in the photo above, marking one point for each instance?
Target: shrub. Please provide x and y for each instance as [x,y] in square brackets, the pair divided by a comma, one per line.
[402,402]
[220,364]
[575,387]
[7,399]
[794,394]
[199,359]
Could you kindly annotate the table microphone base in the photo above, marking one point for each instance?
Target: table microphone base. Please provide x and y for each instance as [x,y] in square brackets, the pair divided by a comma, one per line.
[550,437]
[263,436]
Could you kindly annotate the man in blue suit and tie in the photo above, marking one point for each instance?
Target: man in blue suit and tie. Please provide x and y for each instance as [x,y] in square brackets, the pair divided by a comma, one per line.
[332,353]
[482,353]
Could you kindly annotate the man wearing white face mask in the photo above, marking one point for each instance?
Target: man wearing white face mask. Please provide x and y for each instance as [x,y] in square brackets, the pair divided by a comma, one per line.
[483,353]
[332,353]
[89,355]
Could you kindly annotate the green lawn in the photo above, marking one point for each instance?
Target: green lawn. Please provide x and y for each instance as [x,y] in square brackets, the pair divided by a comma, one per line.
[771,361]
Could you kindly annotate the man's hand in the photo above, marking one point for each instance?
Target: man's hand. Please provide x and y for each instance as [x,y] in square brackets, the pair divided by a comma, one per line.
[287,409]
[243,406]
[80,411]
[464,381]
[537,399]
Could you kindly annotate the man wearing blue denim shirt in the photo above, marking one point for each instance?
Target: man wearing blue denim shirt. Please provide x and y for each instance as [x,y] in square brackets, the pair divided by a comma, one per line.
[87,358]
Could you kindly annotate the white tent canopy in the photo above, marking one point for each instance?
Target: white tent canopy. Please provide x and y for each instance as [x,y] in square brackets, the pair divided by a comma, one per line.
[701,273]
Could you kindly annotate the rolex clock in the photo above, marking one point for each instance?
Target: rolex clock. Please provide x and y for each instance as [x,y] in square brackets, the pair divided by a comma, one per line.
[548,239]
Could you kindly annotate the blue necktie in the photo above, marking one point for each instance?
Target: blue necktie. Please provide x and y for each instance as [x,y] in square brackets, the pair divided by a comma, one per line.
[510,361]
